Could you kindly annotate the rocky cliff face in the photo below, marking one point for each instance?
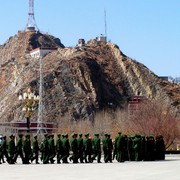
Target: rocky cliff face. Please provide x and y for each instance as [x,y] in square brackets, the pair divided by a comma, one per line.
[78,81]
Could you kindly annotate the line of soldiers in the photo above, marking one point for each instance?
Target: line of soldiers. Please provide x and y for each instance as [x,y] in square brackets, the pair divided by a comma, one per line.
[82,150]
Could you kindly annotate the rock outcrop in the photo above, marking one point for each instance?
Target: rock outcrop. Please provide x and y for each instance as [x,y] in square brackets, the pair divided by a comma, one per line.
[78,81]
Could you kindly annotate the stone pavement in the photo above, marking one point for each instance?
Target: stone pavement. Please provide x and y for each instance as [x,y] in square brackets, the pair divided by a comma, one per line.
[157,170]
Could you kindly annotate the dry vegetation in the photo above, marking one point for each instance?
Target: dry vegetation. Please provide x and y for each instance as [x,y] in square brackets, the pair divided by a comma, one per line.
[152,118]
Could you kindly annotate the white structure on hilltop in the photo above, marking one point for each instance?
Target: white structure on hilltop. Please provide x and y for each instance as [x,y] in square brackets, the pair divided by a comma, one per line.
[31,24]
[41,52]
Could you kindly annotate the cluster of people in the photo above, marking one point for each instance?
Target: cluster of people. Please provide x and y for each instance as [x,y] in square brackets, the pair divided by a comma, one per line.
[79,149]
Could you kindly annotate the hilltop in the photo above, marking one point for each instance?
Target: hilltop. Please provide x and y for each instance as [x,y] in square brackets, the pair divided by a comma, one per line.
[78,81]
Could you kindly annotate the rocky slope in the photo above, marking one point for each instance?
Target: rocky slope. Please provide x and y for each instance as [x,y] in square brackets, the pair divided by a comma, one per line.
[78,81]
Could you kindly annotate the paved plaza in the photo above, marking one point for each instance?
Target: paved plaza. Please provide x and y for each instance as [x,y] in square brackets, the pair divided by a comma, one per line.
[157,170]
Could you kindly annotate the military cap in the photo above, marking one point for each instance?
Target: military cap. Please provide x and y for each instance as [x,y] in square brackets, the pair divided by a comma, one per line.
[80,134]
[119,132]
[45,135]
[20,135]
[58,135]
[35,135]
[66,135]
[72,134]
[11,135]
[86,134]
[96,134]
[27,135]
[105,133]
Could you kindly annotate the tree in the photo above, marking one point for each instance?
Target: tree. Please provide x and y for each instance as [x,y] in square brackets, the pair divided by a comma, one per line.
[154,117]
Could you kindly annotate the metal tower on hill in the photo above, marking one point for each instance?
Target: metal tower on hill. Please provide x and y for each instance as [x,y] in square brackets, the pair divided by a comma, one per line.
[41,127]
[31,24]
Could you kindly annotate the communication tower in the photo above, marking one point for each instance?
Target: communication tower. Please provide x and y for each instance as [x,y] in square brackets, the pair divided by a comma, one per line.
[31,24]
[41,127]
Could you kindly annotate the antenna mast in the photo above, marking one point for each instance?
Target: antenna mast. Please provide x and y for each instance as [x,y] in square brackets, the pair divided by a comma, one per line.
[105,23]
[41,127]
[31,24]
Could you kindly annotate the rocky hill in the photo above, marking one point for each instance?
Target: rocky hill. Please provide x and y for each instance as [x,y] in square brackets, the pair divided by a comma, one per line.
[78,81]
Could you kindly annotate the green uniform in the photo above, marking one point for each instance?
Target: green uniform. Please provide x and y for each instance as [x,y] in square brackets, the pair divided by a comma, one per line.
[27,150]
[45,150]
[11,150]
[120,146]
[80,148]
[74,149]
[87,149]
[137,148]
[52,151]
[96,145]
[35,150]
[59,149]
[19,150]
[105,148]
[4,149]
[65,148]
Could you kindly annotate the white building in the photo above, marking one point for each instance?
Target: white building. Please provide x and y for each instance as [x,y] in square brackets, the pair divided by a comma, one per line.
[40,52]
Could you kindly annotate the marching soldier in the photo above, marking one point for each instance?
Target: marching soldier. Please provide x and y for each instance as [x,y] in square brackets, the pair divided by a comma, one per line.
[19,149]
[59,148]
[35,150]
[105,147]
[45,149]
[11,149]
[109,148]
[65,148]
[27,149]
[137,147]
[52,152]
[119,145]
[80,148]
[96,144]
[4,149]
[87,148]
[74,148]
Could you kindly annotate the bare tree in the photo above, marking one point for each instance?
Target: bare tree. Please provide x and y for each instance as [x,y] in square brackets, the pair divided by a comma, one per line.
[154,117]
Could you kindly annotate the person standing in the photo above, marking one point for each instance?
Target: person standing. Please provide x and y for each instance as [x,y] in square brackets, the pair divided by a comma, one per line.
[19,149]
[87,148]
[52,151]
[59,148]
[96,144]
[35,150]
[45,149]
[74,148]
[4,149]
[27,149]
[80,148]
[105,147]
[65,148]
[11,149]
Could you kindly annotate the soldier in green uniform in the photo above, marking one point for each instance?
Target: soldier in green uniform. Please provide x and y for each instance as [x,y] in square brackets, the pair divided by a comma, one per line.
[65,148]
[52,151]
[96,145]
[74,148]
[105,147]
[27,149]
[137,147]
[59,148]
[11,149]
[87,143]
[45,149]
[119,146]
[35,150]
[19,149]
[4,149]
[80,148]
[109,149]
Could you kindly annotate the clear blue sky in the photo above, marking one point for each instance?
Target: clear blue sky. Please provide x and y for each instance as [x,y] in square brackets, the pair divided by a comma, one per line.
[145,30]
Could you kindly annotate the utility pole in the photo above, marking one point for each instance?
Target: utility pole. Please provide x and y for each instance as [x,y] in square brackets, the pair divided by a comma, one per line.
[31,24]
